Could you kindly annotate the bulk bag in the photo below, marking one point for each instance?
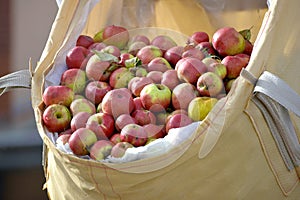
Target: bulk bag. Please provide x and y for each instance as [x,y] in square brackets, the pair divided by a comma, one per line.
[248,145]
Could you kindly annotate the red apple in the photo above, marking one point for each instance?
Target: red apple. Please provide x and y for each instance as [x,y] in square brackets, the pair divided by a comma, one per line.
[115,35]
[148,53]
[101,149]
[183,94]
[56,118]
[155,76]
[210,84]
[75,79]
[228,41]
[135,47]
[102,124]
[139,38]
[219,69]
[206,48]
[143,117]
[248,47]
[119,149]
[137,103]
[189,69]
[123,120]
[155,97]
[174,54]
[79,120]
[136,84]
[81,141]
[234,64]
[115,138]
[120,78]
[63,138]
[155,131]
[193,52]
[82,105]
[97,70]
[163,42]
[177,121]
[198,37]
[97,46]
[96,90]
[170,79]
[158,64]
[117,102]
[77,57]
[58,95]
[125,56]
[134,134]
[84,41]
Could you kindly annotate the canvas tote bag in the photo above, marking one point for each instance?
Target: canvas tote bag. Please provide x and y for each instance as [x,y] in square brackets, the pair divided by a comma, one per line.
[246,148]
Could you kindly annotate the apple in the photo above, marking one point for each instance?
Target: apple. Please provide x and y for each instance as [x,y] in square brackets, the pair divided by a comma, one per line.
[210,60]
[112,50]
[123,120]
[58,94]
[234,64]
[102,124]
[210,84]
[174,54]
[228,85]
[148,53]
[134,134]
[97,70]
[119,149]
[117,102]
[183,94]
[228,41]
[98,37]
[136,84]
[155,131]
[139,38]
[75,79]
[200,107]
[84,41]
[175,112]
[155,76]
[170,79]
[198,37]
[82,105]
[135,47]
[193,52]
[115,138]
[189,69]
[219,69]
[101,149]
[96,90]
[163,42]
[155,97]
[97,46]
[77,57]
[248,47]
[120,78]
[143,117]
[177,121]
[161,117]
[125,56]
[137,103]
[158,64]
[81,140]
[207,48]
[56,118]
[63,138]
[79,120]
[115,35]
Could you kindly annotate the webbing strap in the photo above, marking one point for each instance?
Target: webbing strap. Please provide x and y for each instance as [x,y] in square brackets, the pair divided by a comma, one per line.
[275,98]
[18,79]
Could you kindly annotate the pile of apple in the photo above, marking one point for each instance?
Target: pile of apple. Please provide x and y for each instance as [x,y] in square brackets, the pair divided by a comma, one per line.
[120,91]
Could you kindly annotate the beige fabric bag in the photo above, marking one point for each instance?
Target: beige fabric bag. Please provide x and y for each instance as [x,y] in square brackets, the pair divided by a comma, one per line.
[233,153]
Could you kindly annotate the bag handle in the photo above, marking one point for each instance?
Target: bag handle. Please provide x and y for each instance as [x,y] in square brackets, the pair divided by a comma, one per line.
[18,79]
[275,98]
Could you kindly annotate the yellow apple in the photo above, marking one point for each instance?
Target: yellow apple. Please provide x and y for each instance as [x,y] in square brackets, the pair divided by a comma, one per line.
[199,107]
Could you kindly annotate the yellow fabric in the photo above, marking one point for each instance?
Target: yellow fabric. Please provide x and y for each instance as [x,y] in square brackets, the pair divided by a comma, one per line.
[231,155]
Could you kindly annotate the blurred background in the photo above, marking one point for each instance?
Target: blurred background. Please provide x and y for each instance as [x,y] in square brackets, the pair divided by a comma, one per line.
[24,29]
